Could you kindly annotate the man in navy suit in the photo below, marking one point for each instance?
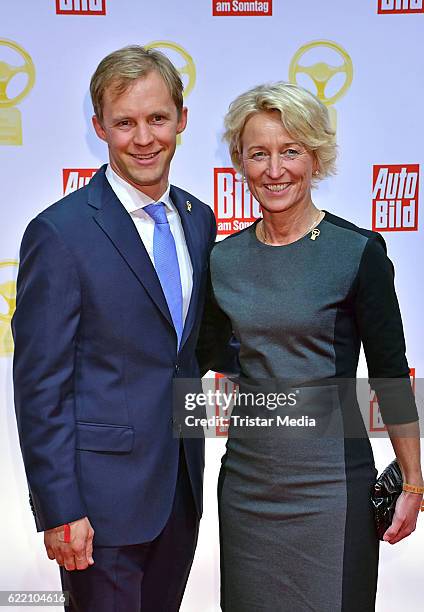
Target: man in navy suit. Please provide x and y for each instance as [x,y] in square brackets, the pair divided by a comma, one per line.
[110,295]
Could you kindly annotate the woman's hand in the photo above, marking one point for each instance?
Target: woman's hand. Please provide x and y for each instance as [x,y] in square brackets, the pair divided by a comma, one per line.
[405,439]
[405,518]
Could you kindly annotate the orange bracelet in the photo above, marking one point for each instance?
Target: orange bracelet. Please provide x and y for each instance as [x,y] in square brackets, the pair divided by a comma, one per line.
[412,489]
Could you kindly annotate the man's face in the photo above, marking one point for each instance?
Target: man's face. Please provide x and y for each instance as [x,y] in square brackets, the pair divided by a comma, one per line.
[140,127]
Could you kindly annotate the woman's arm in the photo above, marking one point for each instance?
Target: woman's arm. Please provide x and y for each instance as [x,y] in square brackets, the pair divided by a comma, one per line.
[381,331]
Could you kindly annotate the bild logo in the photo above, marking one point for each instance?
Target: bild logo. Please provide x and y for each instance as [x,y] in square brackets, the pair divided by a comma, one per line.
[235,207]
[395,198]
[81,7]
[400,6]
[75,178]
[240,8]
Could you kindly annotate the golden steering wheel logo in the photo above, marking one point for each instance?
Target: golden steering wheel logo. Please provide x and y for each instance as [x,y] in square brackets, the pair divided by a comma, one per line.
[8,271]
[321,73]
[183,62]
[10,117]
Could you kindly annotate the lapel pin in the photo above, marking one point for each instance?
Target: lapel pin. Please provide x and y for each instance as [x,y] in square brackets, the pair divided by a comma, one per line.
[188,206]
[315,233]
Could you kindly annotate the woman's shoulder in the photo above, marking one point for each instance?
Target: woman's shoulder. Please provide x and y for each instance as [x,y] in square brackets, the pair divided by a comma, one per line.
[233,242]
[349,230]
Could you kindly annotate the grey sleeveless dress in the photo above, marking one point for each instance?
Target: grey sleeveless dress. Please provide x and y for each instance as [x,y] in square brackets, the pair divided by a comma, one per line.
[296,523]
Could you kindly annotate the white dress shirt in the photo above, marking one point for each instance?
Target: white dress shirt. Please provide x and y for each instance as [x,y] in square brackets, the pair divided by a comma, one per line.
[134,201]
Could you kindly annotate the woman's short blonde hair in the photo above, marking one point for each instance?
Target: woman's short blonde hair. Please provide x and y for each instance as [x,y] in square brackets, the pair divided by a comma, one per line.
[303,115]
[121,68]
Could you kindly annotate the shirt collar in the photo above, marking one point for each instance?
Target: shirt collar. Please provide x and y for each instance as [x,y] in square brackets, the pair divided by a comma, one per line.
[131,198]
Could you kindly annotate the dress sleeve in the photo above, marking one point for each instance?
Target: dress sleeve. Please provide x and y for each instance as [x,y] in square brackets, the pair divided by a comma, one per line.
[380,327]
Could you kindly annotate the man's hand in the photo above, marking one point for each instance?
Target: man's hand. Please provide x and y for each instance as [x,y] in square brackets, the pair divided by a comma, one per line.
[78,554]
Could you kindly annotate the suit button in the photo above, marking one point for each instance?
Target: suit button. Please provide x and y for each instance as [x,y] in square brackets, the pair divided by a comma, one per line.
[177,368]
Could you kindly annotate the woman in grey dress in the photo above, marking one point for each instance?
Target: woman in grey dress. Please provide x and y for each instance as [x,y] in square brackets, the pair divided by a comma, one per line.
[300,290]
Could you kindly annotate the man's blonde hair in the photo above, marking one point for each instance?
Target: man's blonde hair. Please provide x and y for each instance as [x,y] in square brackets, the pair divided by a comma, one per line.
[124,66]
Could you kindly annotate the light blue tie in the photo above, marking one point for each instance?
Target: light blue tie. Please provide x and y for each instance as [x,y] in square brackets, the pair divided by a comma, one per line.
[166,264]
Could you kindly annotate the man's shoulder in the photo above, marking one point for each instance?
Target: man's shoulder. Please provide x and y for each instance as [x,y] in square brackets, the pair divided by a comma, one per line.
[69,203]
[73,207]
[190,201]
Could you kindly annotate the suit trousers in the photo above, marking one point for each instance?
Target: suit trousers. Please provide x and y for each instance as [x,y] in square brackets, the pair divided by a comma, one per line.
[146,577]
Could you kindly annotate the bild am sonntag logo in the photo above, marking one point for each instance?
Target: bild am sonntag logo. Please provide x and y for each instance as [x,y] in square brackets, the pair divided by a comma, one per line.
[390,7]
[81,7]
[395,198]
[234,206]
[242,8]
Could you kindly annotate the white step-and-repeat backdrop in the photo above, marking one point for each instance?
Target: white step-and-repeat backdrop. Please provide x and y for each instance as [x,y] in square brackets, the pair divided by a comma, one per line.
[364,58]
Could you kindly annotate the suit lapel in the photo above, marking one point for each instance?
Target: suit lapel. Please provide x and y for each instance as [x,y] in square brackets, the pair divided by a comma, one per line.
[117,224]
[187,220]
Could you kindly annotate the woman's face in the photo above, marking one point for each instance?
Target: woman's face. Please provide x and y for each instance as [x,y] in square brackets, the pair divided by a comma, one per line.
[278,170]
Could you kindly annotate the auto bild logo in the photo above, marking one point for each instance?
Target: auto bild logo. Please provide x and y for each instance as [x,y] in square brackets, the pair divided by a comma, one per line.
[376,420]
[80,7]
[235,207]
[387,7]
[239,8]
[75,178]
[395,198]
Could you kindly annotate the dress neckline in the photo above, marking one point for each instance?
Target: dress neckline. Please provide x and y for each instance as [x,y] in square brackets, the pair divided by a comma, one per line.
[252,229]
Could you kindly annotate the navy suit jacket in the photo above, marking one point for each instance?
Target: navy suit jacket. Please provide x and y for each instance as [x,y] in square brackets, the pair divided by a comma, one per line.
[95,360]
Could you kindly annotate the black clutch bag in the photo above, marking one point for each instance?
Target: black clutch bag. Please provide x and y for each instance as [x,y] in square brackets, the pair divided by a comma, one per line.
[385,493]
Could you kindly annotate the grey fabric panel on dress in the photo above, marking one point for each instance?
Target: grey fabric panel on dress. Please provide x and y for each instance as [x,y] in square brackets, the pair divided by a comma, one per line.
[285,504]
[283,301]
[282,521]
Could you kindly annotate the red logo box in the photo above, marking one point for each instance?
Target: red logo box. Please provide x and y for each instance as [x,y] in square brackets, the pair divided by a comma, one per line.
[235,207]
[388,7]
[241,8]
[395,198]
[75,178]
[80,7]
